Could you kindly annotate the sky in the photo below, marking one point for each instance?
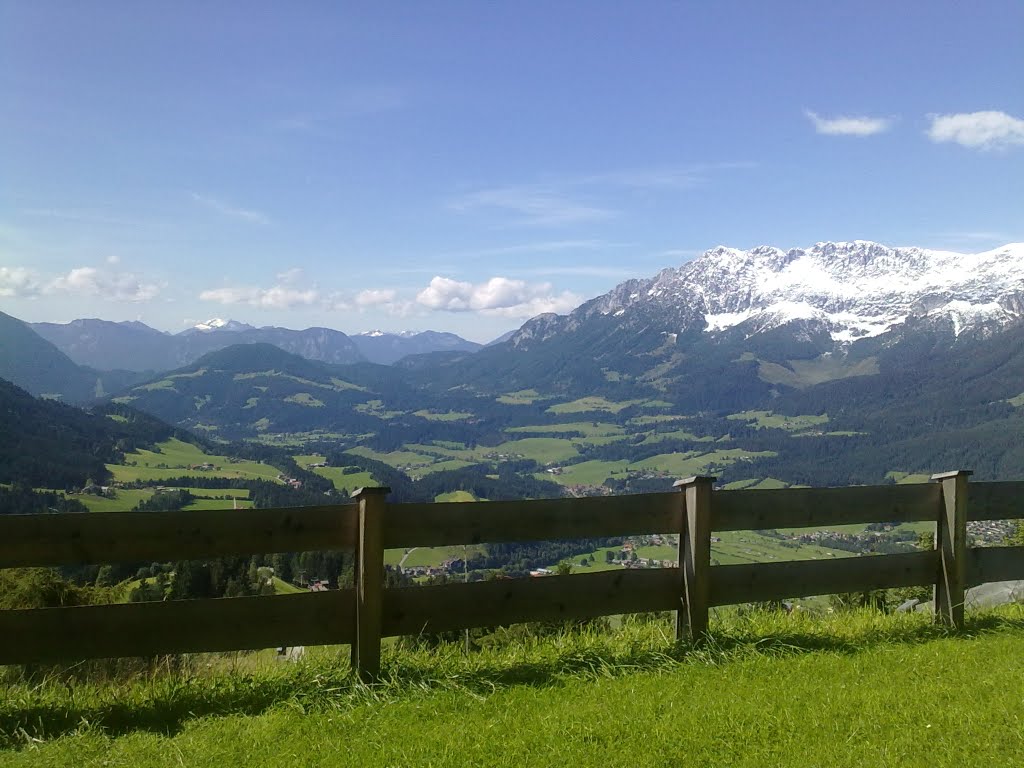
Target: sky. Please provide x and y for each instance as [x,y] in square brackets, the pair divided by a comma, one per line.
[463,166]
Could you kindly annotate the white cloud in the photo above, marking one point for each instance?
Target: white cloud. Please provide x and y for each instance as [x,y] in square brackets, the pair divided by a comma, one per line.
[229,210]
[375,298]
[275,297]
[18,282]
[112,286]
[105,284]
[502,296]
[978,130]
[848,125]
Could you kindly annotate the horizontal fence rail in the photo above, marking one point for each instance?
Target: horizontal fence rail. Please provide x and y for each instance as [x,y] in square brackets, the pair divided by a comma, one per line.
[107,537]
[361,616]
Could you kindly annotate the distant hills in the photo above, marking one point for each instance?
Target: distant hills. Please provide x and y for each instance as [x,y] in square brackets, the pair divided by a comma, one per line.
[134,346]
[913,358]
[38,366]
[388,348]
[48,444]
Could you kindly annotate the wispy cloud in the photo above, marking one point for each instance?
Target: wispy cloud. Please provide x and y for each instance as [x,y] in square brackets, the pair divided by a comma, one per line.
[275,297]
[859,126]
[978,130]
[579,271]
[573,199]
[663,177]
[230,210]
[77,215]
[533,205]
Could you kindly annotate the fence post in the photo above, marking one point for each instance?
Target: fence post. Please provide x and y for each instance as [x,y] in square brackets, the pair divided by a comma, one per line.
[695,557]
[951,545]
[369,581]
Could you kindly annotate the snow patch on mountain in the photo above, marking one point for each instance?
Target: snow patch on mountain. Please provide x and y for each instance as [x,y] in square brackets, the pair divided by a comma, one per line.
[219,324]
[857,289]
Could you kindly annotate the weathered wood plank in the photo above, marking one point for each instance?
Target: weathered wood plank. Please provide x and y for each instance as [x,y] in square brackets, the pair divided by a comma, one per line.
[755,582]
[369,577]
[176,626]
[109,537]
[695,557]
[988,564]
[951,544]
[995,501]
[412,610]
[443,524]
[823,507]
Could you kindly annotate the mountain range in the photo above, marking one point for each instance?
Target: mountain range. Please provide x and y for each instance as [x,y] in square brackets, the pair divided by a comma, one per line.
[913,358]
[135,346]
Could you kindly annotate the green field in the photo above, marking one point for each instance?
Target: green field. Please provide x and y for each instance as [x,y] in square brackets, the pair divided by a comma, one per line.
[585,428]
[770,420]
[174,460]
[455,496]
[522,397]
[678,434]
[377,408]
[843,691]
[304,398]
[593,403]
[596,471]
[219,504]
[769,483]
[544,450]
[125,499]
[443,415]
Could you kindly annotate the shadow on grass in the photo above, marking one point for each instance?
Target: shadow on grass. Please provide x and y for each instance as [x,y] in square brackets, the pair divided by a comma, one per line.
[164,705]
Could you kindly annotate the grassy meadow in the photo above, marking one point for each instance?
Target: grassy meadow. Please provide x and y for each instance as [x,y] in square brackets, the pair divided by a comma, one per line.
[849,689]
[174,459]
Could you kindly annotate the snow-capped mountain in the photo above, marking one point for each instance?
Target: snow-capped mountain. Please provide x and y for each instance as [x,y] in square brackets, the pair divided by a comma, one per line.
[219,324]
[852,290]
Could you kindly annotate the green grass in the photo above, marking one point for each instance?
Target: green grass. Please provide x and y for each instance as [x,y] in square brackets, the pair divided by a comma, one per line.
[455,496]
[231,493]
[593,472]
[678,434]
[593,403]
[397,459]
[857,689]
[770,420]
[443,415]
[378,409]
[905,478]
[429,556]
[219,504]
[350,481]
[282,587]
[522,397]
[585,428]
[807,373]
[125,500]
[176,456]
[304,398]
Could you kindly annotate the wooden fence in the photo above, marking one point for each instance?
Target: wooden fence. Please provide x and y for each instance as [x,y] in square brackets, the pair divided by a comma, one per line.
[363,615]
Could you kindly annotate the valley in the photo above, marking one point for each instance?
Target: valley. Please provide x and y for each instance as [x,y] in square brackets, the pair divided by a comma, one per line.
[733,366]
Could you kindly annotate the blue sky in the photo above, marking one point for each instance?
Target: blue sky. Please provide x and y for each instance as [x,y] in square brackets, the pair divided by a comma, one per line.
[464,165]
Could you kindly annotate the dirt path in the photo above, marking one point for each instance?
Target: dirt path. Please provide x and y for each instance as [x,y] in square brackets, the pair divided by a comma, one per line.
[401,563]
